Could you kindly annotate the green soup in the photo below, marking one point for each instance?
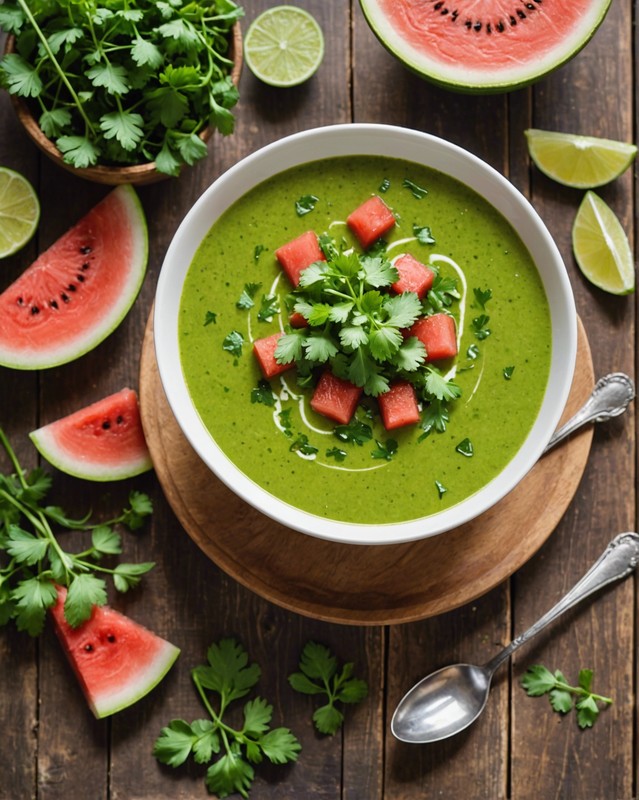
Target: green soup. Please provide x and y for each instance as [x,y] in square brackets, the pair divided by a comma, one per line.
[502,367]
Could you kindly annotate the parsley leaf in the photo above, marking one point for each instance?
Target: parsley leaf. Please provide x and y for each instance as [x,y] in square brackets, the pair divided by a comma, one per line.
[482,296]
[508,372]
[269,307]
[423,234]
[539,680]
[385,450]
[305,204]
[263,393]
[465,448]
[210,317]
[479,328]
[417,191]
[246,300]
[228,677]
[320,674]
[233,343]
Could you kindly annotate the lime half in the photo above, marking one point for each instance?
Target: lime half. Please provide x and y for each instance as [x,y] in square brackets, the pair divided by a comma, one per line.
[284,46]
[601,247]
[19,211]
[582,162]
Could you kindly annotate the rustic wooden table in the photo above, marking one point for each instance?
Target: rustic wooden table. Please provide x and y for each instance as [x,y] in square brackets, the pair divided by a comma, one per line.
[53,748]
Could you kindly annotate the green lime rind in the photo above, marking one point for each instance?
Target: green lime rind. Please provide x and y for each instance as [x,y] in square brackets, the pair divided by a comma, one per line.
[284,46]
[601,247]
[577,161]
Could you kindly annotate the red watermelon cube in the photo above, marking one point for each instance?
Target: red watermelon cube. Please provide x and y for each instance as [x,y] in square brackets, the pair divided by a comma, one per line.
[297,320]
[264,351]
[296,255]
[370,221]
[398,406]
[335,398]
[438,334]
[413,276]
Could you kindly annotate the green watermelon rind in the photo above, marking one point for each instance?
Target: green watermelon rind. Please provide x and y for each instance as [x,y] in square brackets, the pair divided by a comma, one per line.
[150,677]
[428,69]
[89,340]
[47,444]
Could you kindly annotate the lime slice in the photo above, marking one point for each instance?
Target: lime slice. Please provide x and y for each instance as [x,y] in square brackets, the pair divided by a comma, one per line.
[19,211]
[601,247]
[284,46]
[579,161]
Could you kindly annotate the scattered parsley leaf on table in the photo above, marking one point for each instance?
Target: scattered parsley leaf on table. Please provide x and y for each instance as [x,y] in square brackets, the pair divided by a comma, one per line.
[319,675]
[538,680]
[229,677]
[33,561]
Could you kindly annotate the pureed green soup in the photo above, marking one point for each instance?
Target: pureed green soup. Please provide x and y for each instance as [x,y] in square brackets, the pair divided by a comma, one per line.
[502,367]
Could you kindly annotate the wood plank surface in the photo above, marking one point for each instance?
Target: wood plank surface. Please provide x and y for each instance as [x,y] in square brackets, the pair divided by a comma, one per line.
[519,749]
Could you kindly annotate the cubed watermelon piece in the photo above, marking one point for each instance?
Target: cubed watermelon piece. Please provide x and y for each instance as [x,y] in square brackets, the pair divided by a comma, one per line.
[264,350]
[398,406]
[438,334]
[335,398]
[413,276]
[296,255]
[297,320]
[370,221]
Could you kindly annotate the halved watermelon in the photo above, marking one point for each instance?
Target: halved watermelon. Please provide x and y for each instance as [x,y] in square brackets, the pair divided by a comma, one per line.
[79,290]
[102,442]
[486,45]
[116,660]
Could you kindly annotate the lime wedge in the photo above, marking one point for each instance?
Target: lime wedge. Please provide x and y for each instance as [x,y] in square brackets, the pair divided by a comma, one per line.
[582,162]
[19,211]
[601,247]
[284,46]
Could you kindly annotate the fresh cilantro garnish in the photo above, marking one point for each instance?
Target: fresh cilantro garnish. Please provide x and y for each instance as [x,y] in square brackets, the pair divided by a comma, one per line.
[423,234]
[124,83]
[434,418]
[355,432]
[337,453]
[508,372]
[305,204]
[210,317]
[441,489]
[230,752]
[465,448]
[385,450]
[36,562]
[472,352]
[442,294]
[262,393]
[479,328]
[257,252]
[284,417]
[233,343]
[269,307]
[319,674]
[246,300]
[384,186]
[417,191]
[303,446]
[482,296]
[539,680]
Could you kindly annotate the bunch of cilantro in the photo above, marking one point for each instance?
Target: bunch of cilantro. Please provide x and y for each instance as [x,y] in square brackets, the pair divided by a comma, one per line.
[357,327]
[121,82]
[34,561]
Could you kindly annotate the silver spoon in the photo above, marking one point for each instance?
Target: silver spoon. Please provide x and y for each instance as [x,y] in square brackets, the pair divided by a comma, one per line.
[449,700]
[611,397]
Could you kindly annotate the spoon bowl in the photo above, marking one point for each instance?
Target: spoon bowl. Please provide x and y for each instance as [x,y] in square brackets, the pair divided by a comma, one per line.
[449,700]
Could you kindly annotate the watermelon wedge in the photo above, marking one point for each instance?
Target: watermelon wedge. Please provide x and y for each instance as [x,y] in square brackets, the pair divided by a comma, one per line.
[79,290]
[485,46]
[116,660]
[102,442]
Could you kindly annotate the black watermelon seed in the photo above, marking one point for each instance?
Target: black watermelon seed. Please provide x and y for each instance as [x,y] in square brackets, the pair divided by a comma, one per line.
[71,288]
[106,425]
[88,648]
[444,11]
[468,24]
[35,310]
[513,21]
[110,637]
[65,297]
[477,26]
[521,14]
[80,278]
[119,419]
[500,26]
[438,5]
[454,15]
[20,301]
[488,28]
[85,249]
[85,266]
[53,303]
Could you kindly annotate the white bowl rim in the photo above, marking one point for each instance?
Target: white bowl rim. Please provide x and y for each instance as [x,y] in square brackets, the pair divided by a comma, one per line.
[365,139]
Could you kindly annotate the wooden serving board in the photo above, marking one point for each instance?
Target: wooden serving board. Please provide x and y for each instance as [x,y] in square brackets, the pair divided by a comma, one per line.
[362,584]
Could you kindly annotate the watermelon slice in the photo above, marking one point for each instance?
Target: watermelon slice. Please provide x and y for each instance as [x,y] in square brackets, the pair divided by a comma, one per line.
[485,46]
[102,442]
[79,290]
[116,660]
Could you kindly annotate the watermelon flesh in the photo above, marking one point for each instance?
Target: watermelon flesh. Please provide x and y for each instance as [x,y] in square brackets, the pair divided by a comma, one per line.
[335,398]
[116,660]
[78,291]
[102,442]
[486,45]
[264,351]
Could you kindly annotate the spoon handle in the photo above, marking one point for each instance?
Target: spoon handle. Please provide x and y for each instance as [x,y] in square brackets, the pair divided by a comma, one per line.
[617,561]
[611,397]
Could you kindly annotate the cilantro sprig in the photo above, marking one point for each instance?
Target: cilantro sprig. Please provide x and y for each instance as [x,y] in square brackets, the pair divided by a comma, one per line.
[123,83]
[357,327]
[230,751]
[34,562]
[538,680]
[320,674]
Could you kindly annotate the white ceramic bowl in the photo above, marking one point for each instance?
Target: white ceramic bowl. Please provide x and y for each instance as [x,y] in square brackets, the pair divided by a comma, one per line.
[384,140]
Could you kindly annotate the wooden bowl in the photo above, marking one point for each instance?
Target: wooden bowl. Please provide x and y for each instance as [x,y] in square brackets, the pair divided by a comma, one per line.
[137,174]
